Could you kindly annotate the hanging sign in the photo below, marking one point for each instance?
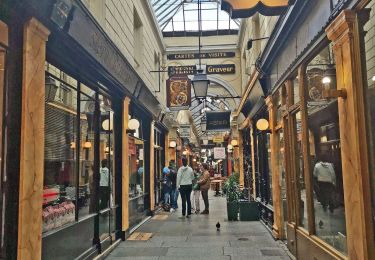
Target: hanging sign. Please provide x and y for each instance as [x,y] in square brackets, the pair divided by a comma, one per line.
[218,121]
[185,131]
[178,93]
[218,139]
[204,55]
[181,70]
[247,8]
[221,69]
[219,153]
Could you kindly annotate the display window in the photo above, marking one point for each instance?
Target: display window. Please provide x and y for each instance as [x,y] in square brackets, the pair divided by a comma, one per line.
[79,142]
[325,151]
[369,71]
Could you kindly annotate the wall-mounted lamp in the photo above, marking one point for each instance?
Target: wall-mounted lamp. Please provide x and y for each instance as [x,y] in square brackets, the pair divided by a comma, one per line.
[107,125]
[234,143]
[172,144]
[87,145]
[185,152]
[262,124]
[73,145]
[373,78]
[133,124]
[230,147]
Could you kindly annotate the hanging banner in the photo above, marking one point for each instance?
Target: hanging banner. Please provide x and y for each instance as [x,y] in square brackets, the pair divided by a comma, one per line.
[219,121]
[184,131]
[219,153]
[178,93]
[181,70]
[204,55]
[247,8]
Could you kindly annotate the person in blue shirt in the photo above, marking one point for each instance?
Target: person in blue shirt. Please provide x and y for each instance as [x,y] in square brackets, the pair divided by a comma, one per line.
[167,185]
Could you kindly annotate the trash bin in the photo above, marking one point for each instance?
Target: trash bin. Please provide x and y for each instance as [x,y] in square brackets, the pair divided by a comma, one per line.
[249,210]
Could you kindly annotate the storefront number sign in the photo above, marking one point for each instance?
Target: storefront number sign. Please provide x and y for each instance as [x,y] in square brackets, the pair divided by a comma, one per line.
[219,121]
[178,92]
[247,8]
[204,55]
[219,153]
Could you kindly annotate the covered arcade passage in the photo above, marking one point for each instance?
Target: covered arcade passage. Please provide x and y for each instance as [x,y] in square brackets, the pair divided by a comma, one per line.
[175,129]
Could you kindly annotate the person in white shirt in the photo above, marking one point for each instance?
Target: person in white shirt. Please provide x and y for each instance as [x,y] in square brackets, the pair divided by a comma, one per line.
[325,177]
[104,185]
[185,177]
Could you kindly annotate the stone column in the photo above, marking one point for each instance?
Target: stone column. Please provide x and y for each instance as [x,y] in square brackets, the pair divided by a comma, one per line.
[344,33]
[32,141]
[125,165]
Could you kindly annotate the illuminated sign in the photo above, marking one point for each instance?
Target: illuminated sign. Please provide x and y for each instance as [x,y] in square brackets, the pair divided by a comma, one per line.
[247,8]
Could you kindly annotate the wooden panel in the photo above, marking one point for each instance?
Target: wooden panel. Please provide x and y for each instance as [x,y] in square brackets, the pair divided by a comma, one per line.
[344,32]
[32,141]
[152,167]
[310,249]
[125,165]
[276,189]
[242,174]
[253,160]
[3,33]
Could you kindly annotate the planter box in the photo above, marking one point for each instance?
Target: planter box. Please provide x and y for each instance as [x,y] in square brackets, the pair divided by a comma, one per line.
[249,211]
[232,211]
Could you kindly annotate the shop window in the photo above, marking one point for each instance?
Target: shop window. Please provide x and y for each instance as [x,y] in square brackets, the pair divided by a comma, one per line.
[298,160]
[369,57]
[296,92]
[325,151]
[268,148]
[75,115]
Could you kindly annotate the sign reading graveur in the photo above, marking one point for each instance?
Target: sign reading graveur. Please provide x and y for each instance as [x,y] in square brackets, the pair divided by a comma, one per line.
[219,121]
[178,92]
[204,55]
[247,8]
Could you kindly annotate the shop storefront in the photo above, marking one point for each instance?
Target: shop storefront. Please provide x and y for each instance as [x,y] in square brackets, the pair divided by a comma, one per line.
[320,134]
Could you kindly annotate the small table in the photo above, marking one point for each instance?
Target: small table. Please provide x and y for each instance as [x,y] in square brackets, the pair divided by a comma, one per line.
[217,184]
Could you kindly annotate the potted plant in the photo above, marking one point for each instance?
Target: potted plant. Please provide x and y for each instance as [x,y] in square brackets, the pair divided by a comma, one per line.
[232,191]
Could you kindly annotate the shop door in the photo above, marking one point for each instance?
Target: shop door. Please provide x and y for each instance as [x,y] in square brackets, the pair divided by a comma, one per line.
[158,177]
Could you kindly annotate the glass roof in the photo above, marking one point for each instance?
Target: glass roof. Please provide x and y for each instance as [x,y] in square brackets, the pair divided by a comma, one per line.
[182,16]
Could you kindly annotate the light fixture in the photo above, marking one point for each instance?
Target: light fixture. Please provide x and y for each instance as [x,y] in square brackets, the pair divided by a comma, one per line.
[73,145]
[230,147]
[200,82]
[87,145]
[262,124]
[107,125]
[185,152]
[194,160]
[133,124]
[172,144]
[326,80]
[373,78]
[234,142]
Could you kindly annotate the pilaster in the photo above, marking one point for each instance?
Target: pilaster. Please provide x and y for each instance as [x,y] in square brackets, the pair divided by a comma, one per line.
[125,164]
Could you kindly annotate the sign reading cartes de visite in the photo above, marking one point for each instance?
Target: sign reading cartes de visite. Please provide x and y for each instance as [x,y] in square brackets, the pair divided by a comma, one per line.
[178,92]
[247,8]
[204,55]
[219,121]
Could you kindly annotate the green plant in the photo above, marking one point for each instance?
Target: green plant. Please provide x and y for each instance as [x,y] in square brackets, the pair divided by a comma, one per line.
[232,188]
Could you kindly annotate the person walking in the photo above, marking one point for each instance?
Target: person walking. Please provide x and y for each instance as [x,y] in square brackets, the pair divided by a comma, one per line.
[104,185]
[185,177]
[167,186]
[204,183]
[196,192]
[174,190]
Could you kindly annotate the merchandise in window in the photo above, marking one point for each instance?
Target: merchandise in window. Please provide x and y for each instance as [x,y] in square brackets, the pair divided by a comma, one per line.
[325,151]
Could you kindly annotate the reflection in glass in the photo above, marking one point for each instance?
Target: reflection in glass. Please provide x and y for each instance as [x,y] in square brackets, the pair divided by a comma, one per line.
[369,54]
[268,148]
[325,154]
[299,171]
[282,171]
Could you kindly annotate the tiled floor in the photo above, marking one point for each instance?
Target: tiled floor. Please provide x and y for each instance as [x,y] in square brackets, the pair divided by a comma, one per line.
[197,238]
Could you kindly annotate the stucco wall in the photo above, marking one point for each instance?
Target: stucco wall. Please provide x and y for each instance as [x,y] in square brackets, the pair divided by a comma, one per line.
[143,49]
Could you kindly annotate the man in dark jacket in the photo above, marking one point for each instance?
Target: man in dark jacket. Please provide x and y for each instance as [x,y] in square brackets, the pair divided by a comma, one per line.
[174,190]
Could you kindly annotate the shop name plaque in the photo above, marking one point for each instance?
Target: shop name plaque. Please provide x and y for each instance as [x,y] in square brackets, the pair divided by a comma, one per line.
[204,55]
[210,69]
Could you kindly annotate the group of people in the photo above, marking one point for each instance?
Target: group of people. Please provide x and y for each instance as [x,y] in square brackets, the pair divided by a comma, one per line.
[184,182]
